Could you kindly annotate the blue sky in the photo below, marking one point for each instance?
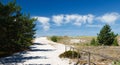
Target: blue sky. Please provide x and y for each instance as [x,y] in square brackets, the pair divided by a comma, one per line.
[72,17]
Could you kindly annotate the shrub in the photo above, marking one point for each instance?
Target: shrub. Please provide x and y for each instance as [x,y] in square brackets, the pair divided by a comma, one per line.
[54,38]
[115,42]
[68,54]
[94,42]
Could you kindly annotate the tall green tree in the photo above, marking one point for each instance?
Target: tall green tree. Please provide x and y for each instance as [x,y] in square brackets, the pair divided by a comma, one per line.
[16,29]
[106,36]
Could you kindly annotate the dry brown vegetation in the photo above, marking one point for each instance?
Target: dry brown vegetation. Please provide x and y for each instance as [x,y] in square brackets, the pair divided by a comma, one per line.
[100,55]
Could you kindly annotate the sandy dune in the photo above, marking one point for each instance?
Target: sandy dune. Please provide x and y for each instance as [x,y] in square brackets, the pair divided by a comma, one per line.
[43,52]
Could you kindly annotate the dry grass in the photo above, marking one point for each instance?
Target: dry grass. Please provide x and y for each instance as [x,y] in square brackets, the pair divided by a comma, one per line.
[101,55]
[112,51]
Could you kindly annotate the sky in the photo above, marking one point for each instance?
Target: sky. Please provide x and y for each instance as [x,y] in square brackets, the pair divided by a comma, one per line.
[72,17]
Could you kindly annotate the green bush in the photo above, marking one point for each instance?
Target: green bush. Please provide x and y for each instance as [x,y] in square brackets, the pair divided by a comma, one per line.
[69,54]
[94,42]
[115,42]
[54,38]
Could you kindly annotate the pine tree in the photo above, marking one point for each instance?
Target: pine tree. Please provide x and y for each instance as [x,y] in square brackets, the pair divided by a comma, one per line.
[106,36]
[16,29]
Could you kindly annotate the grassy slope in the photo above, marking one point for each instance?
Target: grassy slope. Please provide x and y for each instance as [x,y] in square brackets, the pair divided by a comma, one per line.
[110,51]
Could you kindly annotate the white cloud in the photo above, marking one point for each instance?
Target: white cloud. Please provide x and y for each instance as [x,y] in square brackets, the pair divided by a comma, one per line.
[74,18]
[77,23]
[44,21]
[91,25]
[79,19]
[90,18]
[109,18]
[46,27]
[58,19]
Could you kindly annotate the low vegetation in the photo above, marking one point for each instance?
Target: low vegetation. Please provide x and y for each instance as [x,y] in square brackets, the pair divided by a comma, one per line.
[105,37]
[70,54]
[106,43]
[93,42]
[115,42]
[60,39]
[55,38]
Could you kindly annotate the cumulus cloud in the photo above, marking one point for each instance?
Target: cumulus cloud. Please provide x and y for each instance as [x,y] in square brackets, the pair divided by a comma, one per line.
[90,18]
[74,18]
[79,19]
[58,19]
[44,21]
[109,18]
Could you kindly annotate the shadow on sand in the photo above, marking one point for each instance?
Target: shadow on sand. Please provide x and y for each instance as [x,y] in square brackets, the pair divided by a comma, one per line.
[38,44]
[34,50]
[20,58]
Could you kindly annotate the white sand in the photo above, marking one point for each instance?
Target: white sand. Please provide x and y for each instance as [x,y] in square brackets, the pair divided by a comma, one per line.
[48,57]
[45,54]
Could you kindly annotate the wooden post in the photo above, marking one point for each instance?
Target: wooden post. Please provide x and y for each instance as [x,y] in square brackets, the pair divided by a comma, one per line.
[78,57]
[73,53]
[88,58]
[70,48]
[65,48]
